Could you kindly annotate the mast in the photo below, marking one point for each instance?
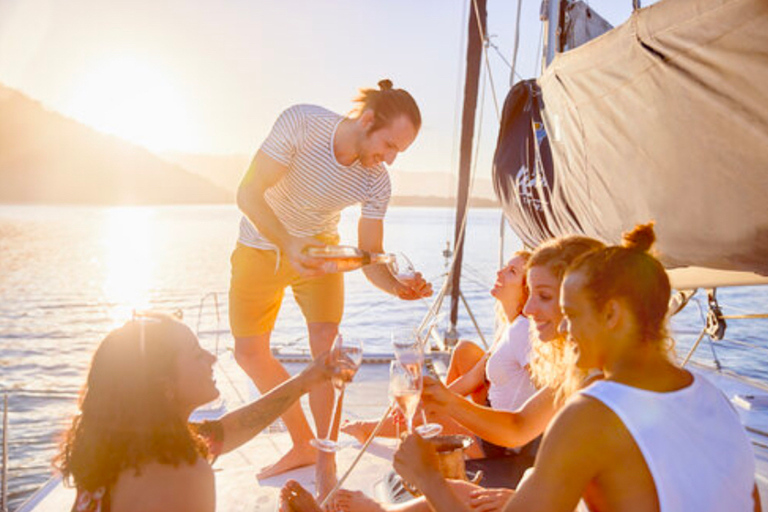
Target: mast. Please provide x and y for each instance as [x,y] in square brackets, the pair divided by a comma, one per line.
[475,40]
[550,15]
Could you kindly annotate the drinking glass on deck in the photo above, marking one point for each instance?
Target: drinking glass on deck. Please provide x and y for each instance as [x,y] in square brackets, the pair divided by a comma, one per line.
[346,358]
[409,352]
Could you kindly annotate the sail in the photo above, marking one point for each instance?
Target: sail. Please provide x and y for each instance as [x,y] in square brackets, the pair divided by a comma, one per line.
[663,118]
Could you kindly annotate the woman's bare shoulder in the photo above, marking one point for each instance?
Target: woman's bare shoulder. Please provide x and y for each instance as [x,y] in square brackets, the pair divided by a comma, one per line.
[167,488]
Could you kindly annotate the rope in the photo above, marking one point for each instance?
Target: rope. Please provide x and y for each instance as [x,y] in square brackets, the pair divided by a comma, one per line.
[517,45]
[358,457]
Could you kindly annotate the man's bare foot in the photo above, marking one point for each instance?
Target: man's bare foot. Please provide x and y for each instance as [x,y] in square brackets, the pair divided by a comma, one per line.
[294,498]
[297,457]
[355,501]
[325,474]
[360,430]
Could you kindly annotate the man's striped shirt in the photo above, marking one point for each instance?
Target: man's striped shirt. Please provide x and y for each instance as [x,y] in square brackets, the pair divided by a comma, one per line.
[308,200]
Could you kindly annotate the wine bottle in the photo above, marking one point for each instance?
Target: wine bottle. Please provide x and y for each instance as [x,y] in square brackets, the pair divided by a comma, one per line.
[344,258]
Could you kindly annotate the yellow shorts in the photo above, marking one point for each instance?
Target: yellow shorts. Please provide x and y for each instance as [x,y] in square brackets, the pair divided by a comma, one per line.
[256,291]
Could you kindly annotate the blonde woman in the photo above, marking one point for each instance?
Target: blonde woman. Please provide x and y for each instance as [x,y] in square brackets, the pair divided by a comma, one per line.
[499,378]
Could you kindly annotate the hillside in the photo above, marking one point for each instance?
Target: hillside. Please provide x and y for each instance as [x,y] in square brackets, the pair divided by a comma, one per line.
[48,158]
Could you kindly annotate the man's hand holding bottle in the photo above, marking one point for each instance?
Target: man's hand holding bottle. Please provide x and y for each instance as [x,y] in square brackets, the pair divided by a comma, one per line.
[296,250]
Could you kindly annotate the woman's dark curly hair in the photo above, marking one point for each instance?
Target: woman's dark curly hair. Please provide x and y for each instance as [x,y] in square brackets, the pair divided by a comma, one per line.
[127,416]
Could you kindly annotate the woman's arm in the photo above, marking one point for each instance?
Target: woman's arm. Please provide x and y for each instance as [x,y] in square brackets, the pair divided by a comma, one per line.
[243,424]
[504,428]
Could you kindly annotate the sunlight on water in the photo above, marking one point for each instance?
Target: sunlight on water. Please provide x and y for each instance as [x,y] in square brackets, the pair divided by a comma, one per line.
[128,239]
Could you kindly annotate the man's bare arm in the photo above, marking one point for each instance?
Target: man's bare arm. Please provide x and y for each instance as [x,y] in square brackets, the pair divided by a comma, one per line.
[370,237]
[263,173]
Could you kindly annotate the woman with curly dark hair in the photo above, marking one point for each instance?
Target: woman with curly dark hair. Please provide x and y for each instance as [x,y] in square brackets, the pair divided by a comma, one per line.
[131,446]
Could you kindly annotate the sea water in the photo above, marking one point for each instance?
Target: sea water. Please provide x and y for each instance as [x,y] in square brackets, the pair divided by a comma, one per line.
[70,274]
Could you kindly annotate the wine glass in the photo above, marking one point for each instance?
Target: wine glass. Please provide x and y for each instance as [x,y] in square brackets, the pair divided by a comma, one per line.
[346,358]
[409,352]
[405,387]
[403,270]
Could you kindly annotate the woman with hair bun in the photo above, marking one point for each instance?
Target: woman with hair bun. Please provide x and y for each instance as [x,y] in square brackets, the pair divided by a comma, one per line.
[650,436]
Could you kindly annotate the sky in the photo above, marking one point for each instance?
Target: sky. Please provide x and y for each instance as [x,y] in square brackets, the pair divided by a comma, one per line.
[211,77]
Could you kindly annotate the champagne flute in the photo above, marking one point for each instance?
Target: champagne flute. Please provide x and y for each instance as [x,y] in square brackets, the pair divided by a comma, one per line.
[346,358]
[406,390]
[409,352]
[391,395]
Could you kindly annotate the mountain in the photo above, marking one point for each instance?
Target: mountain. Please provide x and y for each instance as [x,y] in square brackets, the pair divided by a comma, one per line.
[408,187]
[48,158]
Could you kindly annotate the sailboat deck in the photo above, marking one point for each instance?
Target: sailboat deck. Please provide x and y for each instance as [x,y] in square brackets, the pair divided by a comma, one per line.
[238,490]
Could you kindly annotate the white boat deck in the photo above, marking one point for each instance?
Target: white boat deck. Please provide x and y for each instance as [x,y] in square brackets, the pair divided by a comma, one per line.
[238,490]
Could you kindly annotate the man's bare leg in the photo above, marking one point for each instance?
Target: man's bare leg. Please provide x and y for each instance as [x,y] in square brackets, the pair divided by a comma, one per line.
[253,354]
[321,401]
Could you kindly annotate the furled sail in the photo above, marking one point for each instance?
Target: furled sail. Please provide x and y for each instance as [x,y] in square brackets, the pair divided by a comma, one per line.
[664,118]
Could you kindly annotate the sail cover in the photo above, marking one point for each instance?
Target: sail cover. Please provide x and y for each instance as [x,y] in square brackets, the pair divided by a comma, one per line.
[664,118]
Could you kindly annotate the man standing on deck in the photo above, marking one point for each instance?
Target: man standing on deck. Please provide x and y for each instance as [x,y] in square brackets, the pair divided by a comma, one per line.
[313,164]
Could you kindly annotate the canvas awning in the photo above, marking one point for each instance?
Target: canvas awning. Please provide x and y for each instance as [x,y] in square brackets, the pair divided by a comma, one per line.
[665,118]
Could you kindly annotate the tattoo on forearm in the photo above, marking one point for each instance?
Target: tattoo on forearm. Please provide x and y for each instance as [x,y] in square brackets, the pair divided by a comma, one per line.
[263,412]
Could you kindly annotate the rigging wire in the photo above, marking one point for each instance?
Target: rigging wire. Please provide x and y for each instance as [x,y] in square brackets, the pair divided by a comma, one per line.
[516,47]
[540,49]
[513,73]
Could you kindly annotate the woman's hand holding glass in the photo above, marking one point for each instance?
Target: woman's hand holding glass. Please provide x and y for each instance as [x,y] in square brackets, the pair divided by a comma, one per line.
[346,357]
[405,390]
[409,352]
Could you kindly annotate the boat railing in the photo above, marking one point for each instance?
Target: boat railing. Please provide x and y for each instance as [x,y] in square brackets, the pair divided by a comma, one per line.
[715,326]
[4,476]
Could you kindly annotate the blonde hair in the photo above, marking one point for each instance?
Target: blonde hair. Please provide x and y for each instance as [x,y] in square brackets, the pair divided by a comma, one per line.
[553,362]
[502,320]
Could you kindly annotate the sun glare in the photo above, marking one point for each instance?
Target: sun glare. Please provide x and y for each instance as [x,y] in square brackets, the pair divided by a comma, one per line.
[134,100]
[127,243]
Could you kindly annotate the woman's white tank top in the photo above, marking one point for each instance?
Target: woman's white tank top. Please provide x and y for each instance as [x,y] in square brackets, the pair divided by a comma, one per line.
[694,444]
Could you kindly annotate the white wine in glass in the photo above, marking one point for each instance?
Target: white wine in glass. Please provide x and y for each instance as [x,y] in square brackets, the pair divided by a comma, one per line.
[409,352]
[346,358]
[405,388]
